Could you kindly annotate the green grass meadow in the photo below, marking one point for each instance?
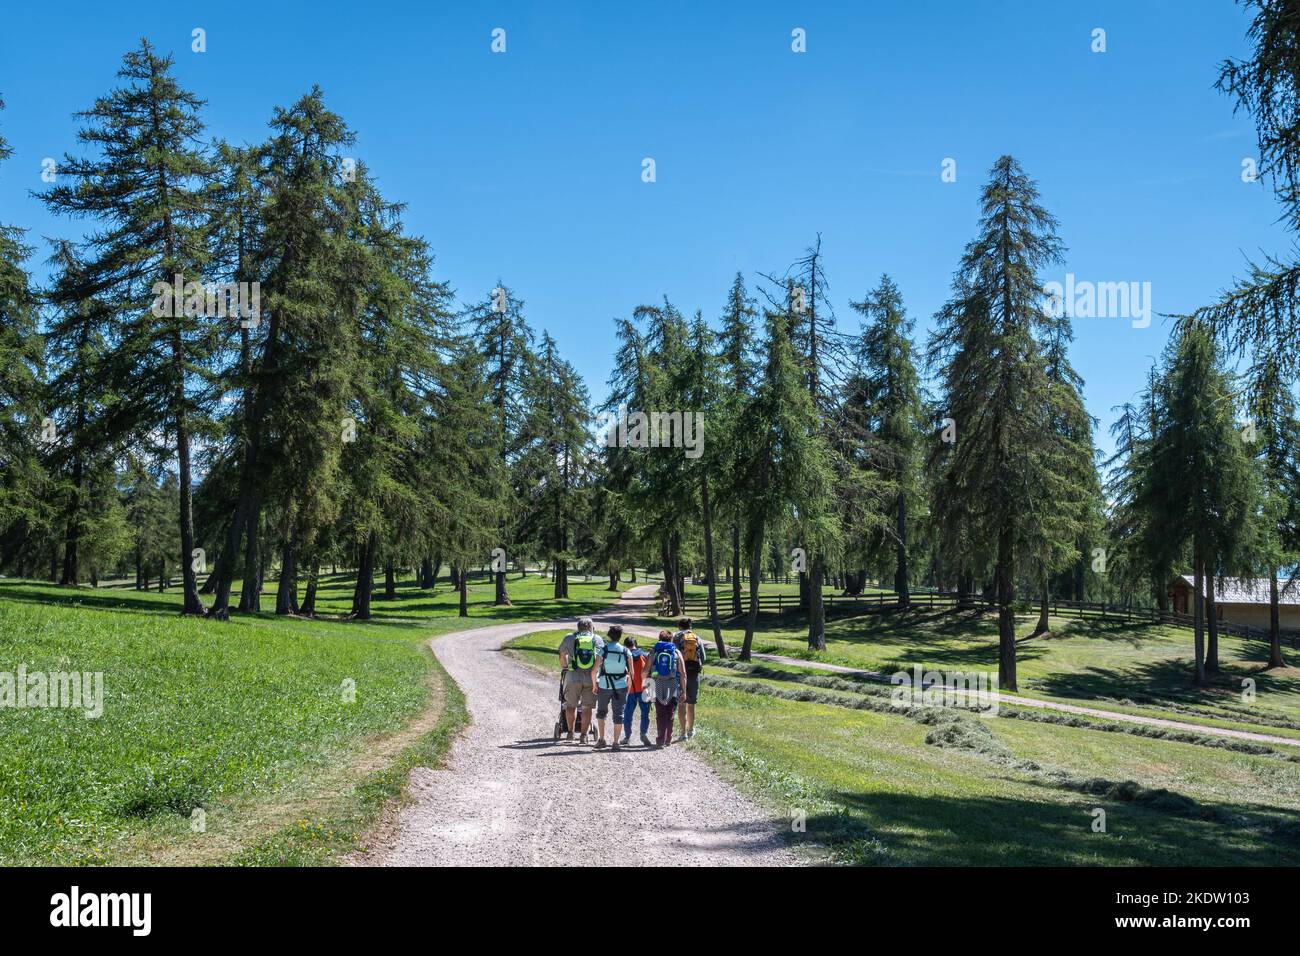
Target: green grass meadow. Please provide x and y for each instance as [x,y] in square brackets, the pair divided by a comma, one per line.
[873,784]
[248,720]
[251,722]
[1112,665]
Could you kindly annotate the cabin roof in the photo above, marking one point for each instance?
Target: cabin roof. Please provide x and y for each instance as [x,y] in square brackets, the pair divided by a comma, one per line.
[1245,591]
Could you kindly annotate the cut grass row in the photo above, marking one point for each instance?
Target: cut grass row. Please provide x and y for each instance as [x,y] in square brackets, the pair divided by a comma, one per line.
[1129,668]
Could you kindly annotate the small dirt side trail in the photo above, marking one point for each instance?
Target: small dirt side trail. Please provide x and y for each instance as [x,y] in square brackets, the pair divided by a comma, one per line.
[509,796]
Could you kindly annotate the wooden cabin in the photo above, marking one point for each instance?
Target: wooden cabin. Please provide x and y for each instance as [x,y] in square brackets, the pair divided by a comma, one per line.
[1238,601]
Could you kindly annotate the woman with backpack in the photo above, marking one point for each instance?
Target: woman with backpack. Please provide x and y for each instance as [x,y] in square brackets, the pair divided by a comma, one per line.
[668,668]
[692,648]
[636,695]
[611,686]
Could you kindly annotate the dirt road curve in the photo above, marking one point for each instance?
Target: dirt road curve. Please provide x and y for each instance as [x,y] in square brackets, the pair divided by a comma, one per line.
[509,796]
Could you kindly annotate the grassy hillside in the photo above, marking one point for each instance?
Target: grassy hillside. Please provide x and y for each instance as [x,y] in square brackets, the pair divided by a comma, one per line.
[247,720]
[883,786]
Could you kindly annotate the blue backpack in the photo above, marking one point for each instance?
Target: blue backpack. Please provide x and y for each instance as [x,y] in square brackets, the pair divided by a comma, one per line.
[613,663]
[664,661]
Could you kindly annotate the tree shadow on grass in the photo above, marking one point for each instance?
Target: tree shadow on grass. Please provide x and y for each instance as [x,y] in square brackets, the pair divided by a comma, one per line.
[983,831]
[1167,681]
[103,600]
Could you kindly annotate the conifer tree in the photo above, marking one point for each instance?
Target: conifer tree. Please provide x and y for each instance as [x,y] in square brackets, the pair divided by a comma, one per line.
[1067,499]
[307,261]
[237,197]
[82,401]
[782,464]
[557,453]
[1260,314]
[996,389]
[145,184]
[1277,450]
[23,514]
[702,394]
[888,390]
[736,375]
[1200,484]
[499,328]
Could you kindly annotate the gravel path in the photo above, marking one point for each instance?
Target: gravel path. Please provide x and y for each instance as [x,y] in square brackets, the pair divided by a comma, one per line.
[508,796]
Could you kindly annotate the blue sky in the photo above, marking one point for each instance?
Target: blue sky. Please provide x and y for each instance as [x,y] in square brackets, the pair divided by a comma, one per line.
[527,165]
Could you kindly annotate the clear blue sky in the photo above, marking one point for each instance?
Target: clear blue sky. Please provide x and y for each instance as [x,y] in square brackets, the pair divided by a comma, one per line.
[527,165]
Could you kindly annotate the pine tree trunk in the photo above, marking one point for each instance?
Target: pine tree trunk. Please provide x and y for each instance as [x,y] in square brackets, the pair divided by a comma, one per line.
[670,577]
[365,578]
[900,570]
[1212,626]
[502,598]
[250,595]
[1274,623]
[426,573]
[464,593]
[1043,606]
[1006,585]
[390,582]
[708,564]
[286,594]
[313,579]
[1198,619]
[140,583]
[755,573]
[816,606]
[210,585]
[613,581]
[71,572]
[191,603]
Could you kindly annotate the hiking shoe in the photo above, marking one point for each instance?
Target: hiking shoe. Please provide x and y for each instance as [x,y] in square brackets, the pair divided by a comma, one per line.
[645,741]
[690,733]
[614,746]
[569,739]
[600,744]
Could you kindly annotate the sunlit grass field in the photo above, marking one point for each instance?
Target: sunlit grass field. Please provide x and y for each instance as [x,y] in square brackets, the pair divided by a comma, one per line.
[1128,667]
[249,721]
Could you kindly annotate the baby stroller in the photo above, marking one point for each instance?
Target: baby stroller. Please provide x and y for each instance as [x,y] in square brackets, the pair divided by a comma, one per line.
[562,725]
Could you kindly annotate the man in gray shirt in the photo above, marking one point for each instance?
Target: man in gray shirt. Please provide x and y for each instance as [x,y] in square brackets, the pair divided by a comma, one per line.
[579,654]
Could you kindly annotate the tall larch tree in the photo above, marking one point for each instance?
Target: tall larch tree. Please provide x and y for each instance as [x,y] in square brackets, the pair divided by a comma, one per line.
[145,186]
[889,391]
[995,389]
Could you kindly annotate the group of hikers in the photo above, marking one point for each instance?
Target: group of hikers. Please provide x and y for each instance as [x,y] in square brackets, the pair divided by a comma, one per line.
[614,672]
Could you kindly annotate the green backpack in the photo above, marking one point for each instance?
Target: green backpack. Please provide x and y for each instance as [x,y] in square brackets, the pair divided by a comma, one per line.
[584,651]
